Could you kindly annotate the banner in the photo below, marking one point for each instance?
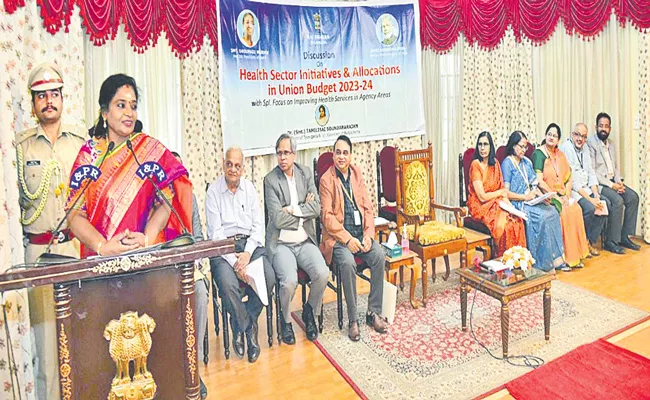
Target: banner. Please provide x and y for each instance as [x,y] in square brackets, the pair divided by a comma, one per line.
[318,70]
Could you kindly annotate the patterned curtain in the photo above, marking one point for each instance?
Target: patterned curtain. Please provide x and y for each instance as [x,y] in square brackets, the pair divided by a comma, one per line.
[644,153]
[202,137]
[498,91]
[25,43]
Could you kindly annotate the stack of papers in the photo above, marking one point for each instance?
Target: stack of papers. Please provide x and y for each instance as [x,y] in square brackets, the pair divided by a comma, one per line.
[539,199]
[512,210]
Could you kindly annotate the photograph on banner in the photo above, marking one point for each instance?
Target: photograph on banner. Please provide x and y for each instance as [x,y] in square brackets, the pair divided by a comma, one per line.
[318,70]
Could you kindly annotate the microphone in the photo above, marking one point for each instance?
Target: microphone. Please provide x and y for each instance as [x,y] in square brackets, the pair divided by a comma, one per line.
[185,238]
[43,257]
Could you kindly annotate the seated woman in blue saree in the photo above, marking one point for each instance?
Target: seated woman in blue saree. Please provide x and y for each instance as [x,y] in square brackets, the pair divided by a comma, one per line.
[543,228]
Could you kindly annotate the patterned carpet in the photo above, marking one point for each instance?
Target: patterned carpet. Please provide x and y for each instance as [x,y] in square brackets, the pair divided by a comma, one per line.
[425,355]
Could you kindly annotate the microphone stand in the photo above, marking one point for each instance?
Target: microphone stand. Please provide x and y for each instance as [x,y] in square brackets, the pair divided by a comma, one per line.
[49,258]
[185,238]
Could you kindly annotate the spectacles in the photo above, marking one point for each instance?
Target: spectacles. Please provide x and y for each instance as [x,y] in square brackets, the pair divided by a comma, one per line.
[522,146]
[285,153]
[552,135]
[236,167]
[576,134]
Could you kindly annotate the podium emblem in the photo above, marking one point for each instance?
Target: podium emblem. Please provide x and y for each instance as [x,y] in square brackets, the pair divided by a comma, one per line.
[130,340]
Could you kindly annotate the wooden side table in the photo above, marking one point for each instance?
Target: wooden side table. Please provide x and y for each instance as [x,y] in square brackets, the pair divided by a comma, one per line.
[505,294]
[395,265]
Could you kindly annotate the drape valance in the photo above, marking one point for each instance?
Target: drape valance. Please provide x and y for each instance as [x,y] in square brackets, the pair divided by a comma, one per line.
[186,22]
[485,21]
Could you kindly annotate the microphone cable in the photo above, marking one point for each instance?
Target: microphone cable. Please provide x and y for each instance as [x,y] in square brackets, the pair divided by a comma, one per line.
[529,361]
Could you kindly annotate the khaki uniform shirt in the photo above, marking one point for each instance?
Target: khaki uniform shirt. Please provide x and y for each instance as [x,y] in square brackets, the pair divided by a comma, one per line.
[37,150]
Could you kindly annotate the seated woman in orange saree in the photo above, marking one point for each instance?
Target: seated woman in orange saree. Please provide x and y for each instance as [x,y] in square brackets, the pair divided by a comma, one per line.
[120,211]
[485,193]
[554,175]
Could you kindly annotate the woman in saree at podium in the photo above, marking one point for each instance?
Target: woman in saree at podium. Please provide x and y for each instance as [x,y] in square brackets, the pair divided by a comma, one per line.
[119,211]
[554,174]
[486,191]
[543,228]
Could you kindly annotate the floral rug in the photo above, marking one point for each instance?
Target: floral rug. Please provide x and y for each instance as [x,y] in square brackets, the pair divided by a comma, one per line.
[425,354]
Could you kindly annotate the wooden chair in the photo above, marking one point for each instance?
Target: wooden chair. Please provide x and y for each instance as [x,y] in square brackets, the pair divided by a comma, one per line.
[321,165]
[386,183]
[500,154]
[225,314]
[416,207]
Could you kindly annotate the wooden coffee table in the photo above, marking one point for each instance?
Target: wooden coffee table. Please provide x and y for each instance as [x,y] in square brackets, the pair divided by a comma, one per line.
[505,294]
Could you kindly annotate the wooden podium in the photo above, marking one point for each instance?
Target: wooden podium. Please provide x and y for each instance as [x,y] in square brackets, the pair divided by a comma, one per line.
[125,325]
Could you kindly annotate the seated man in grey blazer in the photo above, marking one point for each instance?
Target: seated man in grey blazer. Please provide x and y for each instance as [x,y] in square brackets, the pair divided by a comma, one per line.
[292,206]
[624,201]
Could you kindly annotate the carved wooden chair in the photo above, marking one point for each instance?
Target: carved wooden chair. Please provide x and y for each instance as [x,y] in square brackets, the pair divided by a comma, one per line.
[416,207]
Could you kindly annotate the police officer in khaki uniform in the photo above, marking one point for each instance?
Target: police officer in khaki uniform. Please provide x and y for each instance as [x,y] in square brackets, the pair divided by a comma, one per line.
[46,154]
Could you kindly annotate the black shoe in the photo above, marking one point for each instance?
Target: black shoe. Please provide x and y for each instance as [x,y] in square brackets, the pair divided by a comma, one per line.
[628,244]
[202,389]
[238,343]
[310,322]
[253,344]
[287,333]
[614,248]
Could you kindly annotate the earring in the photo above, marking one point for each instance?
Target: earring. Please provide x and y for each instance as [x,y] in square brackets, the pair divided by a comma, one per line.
[104,124]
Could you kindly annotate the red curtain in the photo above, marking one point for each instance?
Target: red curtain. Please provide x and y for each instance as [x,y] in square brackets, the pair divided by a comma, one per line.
[187,22]
[485,21]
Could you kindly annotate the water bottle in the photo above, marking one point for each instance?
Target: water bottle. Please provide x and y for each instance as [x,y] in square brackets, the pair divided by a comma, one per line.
[405,241]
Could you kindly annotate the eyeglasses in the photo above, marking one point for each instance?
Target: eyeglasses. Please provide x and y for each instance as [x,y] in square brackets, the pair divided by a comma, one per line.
[552,135]
[578,135]
[285,153]
[236,167]
[522,146]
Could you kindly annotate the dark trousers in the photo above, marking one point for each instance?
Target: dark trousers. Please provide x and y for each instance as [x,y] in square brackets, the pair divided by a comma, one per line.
[375,260]
[593,223]
[622,213]
[228,283]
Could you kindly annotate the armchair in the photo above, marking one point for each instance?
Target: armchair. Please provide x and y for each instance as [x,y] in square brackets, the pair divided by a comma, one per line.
[416,207]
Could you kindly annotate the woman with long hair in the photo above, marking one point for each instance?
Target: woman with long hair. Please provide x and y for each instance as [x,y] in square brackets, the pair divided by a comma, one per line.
[486,192]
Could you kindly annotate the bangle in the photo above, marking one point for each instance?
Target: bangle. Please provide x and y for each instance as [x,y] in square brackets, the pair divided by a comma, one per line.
[146,241]
[99,247]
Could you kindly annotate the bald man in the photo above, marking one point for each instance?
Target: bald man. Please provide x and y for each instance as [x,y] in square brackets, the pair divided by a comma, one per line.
[585,184]
[233,210]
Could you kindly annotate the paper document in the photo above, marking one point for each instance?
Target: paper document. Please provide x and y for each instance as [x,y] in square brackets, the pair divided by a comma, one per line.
[604,210]
[379,221]
[494,265]
[389,302]
[539,199]
[512,210]
[257,280]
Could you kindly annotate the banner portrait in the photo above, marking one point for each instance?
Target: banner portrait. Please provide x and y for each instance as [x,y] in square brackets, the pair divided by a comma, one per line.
[318,70]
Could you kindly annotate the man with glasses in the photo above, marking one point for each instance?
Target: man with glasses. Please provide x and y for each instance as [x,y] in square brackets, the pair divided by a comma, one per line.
[348,232]
[585,185]
[292,206]
[233,210]
[621,223]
